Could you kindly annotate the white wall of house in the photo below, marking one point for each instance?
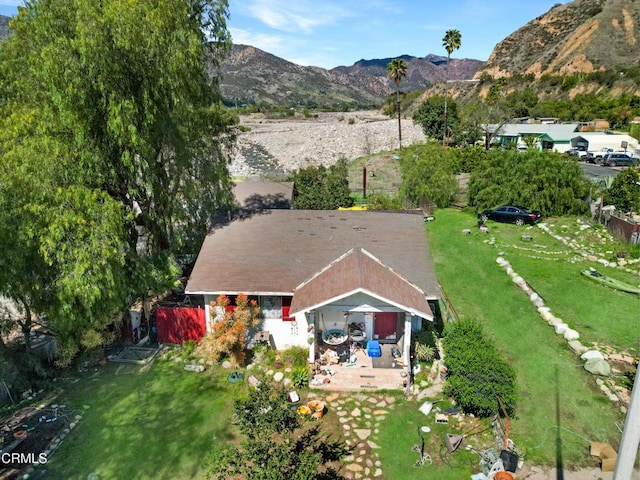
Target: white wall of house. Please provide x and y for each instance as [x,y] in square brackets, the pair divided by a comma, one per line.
[287,334]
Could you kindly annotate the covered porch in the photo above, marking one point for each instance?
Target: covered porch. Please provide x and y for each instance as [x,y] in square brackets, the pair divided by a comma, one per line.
[366,373]
[356,302]
[343,357]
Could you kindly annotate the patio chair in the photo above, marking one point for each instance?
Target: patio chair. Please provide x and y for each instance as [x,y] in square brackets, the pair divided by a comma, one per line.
[373,348]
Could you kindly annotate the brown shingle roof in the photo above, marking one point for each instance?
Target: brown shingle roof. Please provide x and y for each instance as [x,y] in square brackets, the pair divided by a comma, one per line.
[276,250]
[359,271]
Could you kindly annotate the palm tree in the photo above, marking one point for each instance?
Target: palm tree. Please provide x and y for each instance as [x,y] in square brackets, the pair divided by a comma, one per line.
[397,69]
[451,41]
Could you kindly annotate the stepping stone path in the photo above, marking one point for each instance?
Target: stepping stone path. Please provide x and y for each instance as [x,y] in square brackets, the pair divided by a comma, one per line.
[359,415]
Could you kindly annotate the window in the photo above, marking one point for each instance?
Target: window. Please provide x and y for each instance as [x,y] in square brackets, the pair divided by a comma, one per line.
[270,307]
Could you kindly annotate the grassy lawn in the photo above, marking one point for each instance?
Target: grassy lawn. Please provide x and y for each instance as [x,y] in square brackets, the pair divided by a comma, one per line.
[400,433]
[154,424]
[559,402]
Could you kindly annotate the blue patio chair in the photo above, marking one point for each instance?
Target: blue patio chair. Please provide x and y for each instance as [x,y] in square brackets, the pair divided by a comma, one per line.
[373,348]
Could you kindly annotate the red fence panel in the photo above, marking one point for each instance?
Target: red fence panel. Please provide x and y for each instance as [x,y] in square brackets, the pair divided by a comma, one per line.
[177,325]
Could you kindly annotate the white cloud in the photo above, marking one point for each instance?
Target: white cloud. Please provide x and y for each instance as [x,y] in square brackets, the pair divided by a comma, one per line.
[301,16]
[263,41]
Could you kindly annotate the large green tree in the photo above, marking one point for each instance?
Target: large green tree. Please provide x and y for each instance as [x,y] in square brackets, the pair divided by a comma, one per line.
[397,70]
[451,41]
[322,188]
[483,119]
[544,181]
[113,154]
[430,115]
[428,174]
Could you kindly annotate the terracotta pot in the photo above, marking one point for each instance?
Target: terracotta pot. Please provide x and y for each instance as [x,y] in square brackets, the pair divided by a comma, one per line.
[317,408]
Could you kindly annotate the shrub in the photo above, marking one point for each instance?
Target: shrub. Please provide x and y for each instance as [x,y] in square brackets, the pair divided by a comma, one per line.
[624,192]
[428,173]
[478,375]
[296,356]
[322,188]
[424,353]
[275,442]
[301,377]
[228,336]
[188,348]
[380,201]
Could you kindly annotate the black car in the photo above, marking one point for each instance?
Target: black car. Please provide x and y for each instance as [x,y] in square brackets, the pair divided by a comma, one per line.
[511,214]
[615,159]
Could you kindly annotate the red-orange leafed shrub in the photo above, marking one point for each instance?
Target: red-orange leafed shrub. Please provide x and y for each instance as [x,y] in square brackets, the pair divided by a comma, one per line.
[229,331]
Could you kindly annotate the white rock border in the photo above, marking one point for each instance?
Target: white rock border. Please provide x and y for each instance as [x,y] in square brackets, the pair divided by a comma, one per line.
[560,327]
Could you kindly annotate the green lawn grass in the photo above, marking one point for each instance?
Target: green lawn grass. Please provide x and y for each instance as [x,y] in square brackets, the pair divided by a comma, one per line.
[154,424]
[400,433]
[559,402]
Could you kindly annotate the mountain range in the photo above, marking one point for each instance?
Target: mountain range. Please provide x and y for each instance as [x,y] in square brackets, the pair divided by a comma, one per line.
[580,37]
[250,75]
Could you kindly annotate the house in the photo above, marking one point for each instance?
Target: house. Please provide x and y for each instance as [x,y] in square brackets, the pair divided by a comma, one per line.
[314,272]
[551,136]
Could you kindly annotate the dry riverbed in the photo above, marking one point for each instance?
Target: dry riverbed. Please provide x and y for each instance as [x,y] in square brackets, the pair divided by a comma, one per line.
[278,146]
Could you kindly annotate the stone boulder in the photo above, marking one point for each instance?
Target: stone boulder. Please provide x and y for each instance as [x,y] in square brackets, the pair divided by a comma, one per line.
[577,347]
[570,335]
[592,355]
[561,328]
[194,368]
[596,366]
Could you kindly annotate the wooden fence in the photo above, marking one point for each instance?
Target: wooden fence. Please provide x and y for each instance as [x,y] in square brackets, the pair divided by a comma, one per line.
[179,324]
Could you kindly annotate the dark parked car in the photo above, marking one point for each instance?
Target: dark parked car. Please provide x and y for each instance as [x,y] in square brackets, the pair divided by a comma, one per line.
[616,158]
[511,214]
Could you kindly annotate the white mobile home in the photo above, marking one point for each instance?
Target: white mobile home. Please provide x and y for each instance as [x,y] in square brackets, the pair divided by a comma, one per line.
[596,141]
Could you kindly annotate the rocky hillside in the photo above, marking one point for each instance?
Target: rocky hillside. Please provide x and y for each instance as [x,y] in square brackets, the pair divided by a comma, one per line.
[579,37]
[421,71]
[250,75]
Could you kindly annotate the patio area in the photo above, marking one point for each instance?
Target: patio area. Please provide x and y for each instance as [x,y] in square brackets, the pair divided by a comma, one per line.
[365,374]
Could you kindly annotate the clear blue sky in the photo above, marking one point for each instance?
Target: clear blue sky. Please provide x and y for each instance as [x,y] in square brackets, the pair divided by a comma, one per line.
[330,33]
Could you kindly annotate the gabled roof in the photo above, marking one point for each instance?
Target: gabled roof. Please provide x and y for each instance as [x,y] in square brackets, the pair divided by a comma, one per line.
[359,272]
[275,251]
[554,130]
